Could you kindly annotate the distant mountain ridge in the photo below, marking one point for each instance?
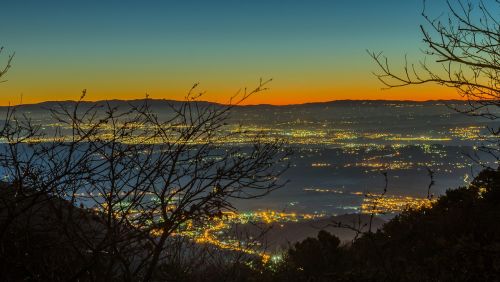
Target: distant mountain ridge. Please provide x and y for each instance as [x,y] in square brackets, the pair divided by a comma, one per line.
[157,102]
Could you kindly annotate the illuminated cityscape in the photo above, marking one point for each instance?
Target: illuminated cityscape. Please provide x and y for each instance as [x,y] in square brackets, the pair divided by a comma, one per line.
[270,141]
[337,164]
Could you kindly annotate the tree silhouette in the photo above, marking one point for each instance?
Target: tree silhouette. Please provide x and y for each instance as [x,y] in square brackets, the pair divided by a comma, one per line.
[113,185]
[464,45]
[7,66]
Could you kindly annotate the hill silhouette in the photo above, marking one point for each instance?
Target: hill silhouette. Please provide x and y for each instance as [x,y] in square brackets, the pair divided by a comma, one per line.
[164,102]
[457,239]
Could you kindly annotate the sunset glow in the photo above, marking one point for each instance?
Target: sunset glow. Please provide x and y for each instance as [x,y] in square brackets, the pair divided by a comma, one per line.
[126,49]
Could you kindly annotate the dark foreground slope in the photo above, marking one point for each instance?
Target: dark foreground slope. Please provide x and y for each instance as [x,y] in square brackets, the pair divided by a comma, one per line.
[458,239]
[44,238]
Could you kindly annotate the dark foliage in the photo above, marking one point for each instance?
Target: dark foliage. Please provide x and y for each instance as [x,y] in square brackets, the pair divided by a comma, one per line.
[42,241]
[457,239]
[102,196]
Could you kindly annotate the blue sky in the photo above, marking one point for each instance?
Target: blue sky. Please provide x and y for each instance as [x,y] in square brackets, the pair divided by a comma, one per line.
[123,49]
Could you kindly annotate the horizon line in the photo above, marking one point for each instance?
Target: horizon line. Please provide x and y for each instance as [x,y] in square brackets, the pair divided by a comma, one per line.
[239,105]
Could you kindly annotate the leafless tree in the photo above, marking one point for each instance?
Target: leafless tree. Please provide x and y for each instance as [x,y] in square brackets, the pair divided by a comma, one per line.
[118,183]
[358,225]
[432,182]
[7,65]
[463,47]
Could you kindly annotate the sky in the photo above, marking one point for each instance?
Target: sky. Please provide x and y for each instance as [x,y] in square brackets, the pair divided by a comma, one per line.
[313,50]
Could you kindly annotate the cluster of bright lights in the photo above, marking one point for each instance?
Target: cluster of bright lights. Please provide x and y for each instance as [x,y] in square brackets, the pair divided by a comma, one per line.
[384,204]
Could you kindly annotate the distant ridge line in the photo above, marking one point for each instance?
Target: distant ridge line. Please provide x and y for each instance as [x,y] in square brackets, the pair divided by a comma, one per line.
[332,102]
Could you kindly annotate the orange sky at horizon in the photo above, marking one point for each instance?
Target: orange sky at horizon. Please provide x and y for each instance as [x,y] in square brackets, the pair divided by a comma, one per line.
[273,95]
[315,51]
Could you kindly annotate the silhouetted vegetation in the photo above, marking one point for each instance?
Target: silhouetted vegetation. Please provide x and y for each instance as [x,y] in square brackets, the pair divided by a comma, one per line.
[463,48]
[101,197]
[5,67]
[457,239]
